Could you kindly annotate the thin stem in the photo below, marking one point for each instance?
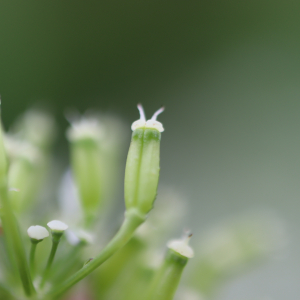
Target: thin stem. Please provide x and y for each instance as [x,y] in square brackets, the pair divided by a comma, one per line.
[31,258]
[5,291]
[69,264]
[50,261]
[11,229]
[133,219]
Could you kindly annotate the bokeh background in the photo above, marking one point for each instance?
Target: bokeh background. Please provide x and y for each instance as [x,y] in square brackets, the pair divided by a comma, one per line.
[228,73]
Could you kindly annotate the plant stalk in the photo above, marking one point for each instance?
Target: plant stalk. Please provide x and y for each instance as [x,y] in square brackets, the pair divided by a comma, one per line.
[133,219]
[11,229]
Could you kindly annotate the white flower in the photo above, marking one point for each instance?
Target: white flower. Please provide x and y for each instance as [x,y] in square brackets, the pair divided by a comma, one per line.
[75,237]
[37,232]
[57,225]
[85,128]
[150,124]
[182,247]
[17,148]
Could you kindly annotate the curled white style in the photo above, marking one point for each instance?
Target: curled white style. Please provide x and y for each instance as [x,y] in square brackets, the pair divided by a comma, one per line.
[151,124]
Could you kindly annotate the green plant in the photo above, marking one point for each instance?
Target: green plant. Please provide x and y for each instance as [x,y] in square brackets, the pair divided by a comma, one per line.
[126,271]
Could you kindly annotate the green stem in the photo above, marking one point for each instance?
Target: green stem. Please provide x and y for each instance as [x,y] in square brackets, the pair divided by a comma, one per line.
[6,292]
[11,229]
[69,265]
[133,219]
[50,261]
[31,257]
[165,282]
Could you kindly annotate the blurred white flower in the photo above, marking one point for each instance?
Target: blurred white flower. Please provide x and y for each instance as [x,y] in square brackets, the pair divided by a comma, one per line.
[37,232]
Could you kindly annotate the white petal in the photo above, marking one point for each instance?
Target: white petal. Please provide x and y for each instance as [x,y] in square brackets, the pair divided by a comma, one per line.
[181,247]
[57,225]
[37,232]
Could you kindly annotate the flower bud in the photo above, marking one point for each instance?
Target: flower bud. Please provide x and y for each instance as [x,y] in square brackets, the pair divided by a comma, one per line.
[37,233]
[37,127]
[182,247]
[166,280]
[85,136]
[25,172]
[142,167]
[57,229]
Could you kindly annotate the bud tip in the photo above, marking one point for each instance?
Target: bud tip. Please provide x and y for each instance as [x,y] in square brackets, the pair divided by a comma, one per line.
[57,225]
[37,232]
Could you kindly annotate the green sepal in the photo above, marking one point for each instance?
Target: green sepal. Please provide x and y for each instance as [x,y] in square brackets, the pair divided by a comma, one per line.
[56,235]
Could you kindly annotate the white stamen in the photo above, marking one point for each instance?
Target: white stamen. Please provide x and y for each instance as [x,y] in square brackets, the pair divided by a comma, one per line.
[142,112]
[182,247]
[158,112]
[37,232]
[57,225]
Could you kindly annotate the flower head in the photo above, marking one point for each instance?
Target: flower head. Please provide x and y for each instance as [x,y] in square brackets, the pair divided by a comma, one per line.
[142,166]
[56,225]
[37,232]
[182,246]
[85,128]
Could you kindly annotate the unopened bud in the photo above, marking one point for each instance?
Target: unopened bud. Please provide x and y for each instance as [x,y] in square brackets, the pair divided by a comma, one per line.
[182,247]
[37,233]
[85,136]
[57,229]
[166,280]
[142,167]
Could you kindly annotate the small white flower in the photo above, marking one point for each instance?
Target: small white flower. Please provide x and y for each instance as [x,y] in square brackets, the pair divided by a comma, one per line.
[37,232]
[182,247]
[151,124]
[57,225]
[85,128]
[17,148]
[75,237]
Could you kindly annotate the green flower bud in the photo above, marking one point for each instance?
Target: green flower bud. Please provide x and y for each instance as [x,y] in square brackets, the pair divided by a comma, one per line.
[167,278]
[57,229]
[37,127]
[85,136]
[37,233]
[25,172]
[142,167]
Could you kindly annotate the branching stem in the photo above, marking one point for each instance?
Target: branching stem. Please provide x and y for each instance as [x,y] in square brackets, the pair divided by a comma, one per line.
[133,219]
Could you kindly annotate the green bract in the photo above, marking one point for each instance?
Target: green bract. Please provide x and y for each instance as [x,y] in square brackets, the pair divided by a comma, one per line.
[142,167]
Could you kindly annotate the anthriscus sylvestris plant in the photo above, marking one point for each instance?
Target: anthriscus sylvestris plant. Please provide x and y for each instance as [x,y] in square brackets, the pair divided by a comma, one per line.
[127,264]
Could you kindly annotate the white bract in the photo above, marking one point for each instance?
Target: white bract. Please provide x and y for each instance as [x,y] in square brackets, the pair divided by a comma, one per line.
[37,232]
[182,247]
[151,123]
[57,225]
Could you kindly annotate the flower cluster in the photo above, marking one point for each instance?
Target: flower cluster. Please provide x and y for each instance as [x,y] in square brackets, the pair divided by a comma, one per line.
[125,265]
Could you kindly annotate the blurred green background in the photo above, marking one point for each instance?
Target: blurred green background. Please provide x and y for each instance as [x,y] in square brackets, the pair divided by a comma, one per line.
[228,73]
